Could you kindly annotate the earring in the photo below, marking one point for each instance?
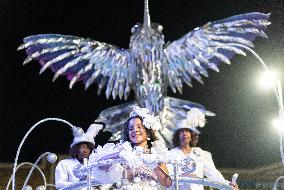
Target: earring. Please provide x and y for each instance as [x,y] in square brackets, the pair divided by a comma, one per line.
[148,139]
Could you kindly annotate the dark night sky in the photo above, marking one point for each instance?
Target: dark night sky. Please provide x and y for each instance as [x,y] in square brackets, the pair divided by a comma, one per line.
[239,136]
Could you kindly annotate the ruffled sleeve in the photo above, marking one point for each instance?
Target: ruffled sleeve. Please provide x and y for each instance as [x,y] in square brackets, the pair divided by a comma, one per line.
[109,174]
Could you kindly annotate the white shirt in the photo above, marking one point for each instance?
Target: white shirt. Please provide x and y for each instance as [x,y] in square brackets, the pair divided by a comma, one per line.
[64,172]
[204,166]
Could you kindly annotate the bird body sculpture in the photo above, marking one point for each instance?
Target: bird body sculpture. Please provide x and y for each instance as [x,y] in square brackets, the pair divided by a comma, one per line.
[148,66]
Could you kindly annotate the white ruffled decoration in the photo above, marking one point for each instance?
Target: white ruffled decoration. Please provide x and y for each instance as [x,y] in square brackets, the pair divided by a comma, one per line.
[115,172]
[109,176]
[149,158]
[149,121]
[140,186]
[132,160]
[126,146]
[100,152]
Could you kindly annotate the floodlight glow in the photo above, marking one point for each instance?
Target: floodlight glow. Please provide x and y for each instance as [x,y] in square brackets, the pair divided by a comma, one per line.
[268,79]
[279,124]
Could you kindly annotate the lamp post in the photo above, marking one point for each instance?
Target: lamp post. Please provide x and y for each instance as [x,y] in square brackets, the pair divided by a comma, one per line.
[77,132]
[277,87]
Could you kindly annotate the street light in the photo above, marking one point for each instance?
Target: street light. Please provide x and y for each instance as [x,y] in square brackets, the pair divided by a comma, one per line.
[278,124]
[77,132]
[271,78]
[277,88]
[268,79]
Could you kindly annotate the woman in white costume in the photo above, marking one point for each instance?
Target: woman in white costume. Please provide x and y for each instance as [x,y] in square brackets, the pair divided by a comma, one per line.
[182,150]
[142,153]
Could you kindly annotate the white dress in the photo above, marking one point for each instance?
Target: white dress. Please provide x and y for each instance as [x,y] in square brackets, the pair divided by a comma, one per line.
[204,166]
[64,173]
[143,178]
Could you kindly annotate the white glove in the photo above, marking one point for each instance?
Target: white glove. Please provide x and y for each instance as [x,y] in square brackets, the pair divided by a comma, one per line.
[150,160]
[133,161]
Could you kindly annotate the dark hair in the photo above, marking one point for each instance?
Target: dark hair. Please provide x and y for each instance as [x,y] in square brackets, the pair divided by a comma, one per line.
[150,132]
[74,150]
[175,139]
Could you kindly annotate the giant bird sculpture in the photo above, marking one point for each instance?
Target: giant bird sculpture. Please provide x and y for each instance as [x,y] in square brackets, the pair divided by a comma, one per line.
[148,66]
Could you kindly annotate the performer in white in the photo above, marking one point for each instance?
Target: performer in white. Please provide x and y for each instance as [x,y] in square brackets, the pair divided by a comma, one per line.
[194,143]
[80,148]
[142,152]
[183,149]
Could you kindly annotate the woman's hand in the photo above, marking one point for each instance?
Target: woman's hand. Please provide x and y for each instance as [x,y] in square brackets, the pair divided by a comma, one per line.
[133,161]
[163,175]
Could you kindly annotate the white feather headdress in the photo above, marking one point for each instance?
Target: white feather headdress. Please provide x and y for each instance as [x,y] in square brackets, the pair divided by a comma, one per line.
[195,118]
[149,121]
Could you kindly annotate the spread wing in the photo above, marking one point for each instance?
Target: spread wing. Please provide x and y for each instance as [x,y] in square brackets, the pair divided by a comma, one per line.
[83,60]
[205,47]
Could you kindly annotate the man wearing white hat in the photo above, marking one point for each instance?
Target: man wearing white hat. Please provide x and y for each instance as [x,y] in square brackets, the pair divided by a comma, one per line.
[194,143]
[80,148]
[183,149]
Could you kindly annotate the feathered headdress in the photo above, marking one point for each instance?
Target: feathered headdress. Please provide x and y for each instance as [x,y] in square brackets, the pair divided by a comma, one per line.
[149,121]
[195,118]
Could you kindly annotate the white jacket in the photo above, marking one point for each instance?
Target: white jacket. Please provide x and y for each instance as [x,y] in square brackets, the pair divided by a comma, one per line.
[64,174]
[204,166]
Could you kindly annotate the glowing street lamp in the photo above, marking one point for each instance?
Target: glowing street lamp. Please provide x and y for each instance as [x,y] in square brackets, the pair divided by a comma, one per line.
[269,79]
[278,124]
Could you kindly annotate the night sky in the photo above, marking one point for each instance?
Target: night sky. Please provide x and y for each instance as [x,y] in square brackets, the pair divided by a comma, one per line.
[239,136]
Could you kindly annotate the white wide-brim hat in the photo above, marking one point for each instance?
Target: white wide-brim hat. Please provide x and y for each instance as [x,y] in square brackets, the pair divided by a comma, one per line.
[89,136]
[184,125]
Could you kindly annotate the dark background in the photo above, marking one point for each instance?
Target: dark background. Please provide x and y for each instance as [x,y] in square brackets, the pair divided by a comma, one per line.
[239,136]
